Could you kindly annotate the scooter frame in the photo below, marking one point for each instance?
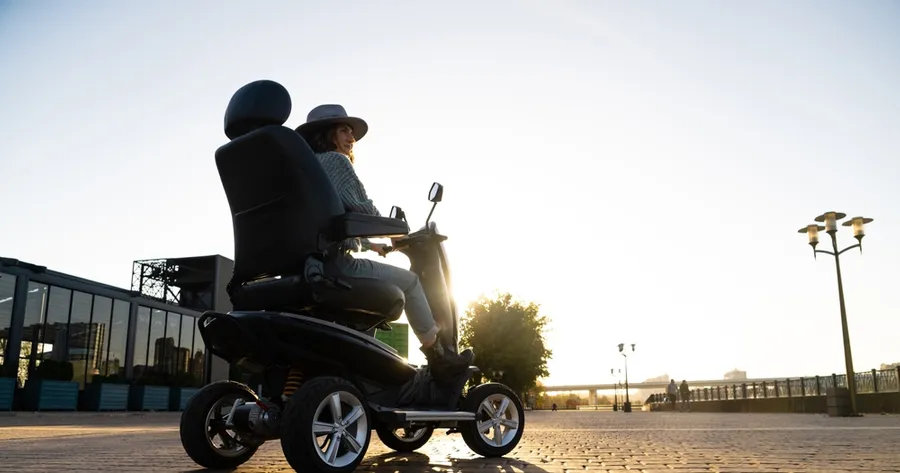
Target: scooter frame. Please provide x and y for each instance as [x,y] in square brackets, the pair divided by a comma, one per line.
[269,346]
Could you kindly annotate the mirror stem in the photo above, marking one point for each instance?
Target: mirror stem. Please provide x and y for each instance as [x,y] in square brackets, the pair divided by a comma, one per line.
[428,220]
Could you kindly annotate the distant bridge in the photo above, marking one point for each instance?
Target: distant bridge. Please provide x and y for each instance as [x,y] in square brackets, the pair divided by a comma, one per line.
[662,384]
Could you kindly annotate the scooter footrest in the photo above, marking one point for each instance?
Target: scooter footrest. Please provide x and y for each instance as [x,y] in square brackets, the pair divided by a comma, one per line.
[388,416]
[397,417]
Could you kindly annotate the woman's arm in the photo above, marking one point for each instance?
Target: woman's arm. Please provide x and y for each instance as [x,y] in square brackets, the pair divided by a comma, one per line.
[351,191]
[347,183]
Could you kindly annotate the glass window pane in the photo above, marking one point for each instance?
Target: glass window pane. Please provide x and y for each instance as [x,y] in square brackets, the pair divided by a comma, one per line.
[35,309]
[157,340]
[141,337]
[80,335]
[99,337]
[187,343]
[198,364]
[56,329]
[173,332]
[118,339]
[7,292]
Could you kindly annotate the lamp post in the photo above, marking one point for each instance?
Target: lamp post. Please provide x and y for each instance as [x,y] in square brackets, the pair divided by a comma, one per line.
[830,220]
[627,406]
[612,372]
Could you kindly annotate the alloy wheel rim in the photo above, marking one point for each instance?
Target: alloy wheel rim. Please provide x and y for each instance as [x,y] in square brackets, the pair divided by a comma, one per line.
[229,444]
[340,427]
[407,434]
[498,420]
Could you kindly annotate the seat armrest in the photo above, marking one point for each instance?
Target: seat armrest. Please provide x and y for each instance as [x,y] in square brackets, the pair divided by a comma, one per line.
[357,225]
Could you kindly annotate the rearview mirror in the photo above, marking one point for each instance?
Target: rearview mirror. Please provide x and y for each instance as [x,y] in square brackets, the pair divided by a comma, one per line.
[397,212]
[436,192]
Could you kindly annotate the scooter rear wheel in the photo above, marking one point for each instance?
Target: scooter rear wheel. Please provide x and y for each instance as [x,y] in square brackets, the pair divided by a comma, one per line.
[325,426]
[499,420]
[205,437]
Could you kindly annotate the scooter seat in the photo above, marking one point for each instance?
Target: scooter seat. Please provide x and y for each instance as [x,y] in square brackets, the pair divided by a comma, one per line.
[369,298]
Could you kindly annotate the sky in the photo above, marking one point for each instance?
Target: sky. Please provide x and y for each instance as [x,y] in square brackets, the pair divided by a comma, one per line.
[638,169]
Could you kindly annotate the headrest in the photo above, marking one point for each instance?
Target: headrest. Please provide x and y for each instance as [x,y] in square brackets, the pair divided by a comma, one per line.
[255,105]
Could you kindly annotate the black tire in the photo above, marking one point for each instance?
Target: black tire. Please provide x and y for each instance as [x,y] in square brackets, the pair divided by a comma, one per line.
[310,404]
[389,437]
[195,431]
[515,413]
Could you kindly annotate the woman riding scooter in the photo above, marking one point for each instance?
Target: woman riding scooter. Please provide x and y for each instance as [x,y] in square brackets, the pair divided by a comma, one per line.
[331,134]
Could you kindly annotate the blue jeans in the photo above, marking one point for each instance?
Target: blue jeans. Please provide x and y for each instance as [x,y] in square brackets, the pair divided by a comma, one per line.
[418,312]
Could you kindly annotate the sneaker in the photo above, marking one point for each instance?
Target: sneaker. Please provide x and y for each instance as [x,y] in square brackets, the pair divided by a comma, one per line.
[465,353]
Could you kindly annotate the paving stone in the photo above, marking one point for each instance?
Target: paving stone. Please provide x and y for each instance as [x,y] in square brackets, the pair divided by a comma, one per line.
[566,441]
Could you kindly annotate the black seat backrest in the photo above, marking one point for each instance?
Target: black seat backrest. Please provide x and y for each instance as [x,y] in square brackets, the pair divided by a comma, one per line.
[280,197]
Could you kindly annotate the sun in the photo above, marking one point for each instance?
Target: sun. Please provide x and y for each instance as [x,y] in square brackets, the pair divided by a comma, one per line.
[466,287]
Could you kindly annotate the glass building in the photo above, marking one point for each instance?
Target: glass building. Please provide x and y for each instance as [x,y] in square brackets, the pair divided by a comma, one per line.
[99,332]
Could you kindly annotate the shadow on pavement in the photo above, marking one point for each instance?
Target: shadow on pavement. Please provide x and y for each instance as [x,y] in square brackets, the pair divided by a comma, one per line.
[420,462]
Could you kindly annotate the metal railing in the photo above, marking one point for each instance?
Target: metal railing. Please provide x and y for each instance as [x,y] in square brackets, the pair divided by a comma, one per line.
[873,381]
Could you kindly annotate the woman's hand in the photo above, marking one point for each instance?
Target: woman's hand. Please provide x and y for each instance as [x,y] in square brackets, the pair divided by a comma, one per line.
[380,248]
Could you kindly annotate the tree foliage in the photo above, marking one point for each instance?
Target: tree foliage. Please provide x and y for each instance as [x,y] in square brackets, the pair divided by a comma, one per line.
[507,336]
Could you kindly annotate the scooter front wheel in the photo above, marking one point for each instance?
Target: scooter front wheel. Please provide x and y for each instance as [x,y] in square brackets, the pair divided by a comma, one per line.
[499,420]
[404,440]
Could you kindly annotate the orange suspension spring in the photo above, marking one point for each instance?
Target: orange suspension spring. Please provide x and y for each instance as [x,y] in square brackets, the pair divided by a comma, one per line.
[292,383]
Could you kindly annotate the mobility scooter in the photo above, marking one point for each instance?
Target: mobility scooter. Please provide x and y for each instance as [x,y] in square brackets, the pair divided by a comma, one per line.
[301,332]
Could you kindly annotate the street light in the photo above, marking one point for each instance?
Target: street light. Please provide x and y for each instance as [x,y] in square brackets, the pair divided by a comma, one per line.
[627,406]
[830,220]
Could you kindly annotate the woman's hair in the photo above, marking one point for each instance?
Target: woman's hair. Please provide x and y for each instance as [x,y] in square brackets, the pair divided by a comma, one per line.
[322,140]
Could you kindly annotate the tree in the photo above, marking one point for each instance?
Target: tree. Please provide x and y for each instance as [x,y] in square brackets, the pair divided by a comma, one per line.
[507,336]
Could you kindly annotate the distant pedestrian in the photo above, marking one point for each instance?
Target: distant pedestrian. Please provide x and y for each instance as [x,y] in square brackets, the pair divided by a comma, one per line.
[553,407]
[672,393]
[685,395]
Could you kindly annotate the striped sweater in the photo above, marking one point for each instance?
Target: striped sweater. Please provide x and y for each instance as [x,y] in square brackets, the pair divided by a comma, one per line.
[351,190]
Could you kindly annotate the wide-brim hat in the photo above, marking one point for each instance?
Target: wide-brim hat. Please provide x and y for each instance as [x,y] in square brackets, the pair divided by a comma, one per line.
[331,114]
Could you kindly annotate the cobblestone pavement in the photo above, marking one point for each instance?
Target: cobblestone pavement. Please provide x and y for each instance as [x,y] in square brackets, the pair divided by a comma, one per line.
[553,442]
